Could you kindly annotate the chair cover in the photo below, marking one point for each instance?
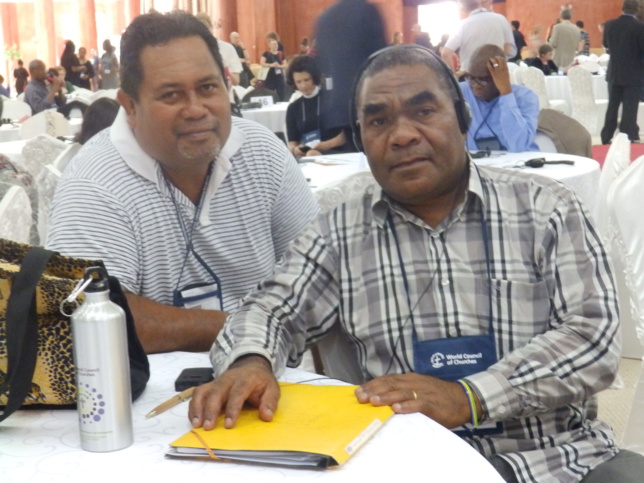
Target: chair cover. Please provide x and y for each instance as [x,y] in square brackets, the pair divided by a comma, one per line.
[617,160]
[585,108]
[338,355]
[534,79]
[47,182]
[65,156]
[625,201]
[46,122]
[568,135]
[13,174]
[40,151]
[14,109]
[15,215]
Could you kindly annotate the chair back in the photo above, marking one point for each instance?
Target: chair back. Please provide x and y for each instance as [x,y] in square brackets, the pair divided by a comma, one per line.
[617,160]
[15,215]
[41,151]
[47,183]
[584,107]
[338,355]
[518,73]
[260,92]
[14,109]
[568,135]
[63,159]
[534,79]
[46,122]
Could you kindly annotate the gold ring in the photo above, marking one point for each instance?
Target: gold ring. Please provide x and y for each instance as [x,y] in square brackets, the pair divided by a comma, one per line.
[415,395]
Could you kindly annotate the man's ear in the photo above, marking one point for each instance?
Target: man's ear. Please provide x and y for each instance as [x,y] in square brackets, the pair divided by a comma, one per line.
[129,105]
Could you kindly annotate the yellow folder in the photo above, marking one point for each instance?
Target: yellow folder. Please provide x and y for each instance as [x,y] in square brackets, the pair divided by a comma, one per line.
[314,426]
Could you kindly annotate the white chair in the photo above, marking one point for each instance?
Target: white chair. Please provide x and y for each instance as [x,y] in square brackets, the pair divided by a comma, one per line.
[46,182]
[14,109]
[46,122]
[63,159]
[518,73]
[585,108]
[15,215]
[240,91]
[111,93]
[545,142]
[336,353]
[41,151]
[603,59]
[590,66]
[534,79]
[512,68]
[625,199]
[21,97]
[617,160]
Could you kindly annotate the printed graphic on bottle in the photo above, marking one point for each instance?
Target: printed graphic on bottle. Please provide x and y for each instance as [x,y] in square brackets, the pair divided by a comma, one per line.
[91,402]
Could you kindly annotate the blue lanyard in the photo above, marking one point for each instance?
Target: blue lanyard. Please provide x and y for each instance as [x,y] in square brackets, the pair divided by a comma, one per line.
[188,235]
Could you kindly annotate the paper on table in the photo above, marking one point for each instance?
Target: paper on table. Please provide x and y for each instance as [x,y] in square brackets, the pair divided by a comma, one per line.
[315,426]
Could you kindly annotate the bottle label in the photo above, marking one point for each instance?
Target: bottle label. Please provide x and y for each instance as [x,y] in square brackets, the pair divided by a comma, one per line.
[92,405]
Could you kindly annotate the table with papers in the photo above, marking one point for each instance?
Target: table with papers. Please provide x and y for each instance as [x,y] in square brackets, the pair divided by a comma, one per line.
[44,446]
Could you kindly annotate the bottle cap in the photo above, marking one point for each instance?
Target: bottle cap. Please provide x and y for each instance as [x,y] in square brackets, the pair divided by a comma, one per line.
[100,282]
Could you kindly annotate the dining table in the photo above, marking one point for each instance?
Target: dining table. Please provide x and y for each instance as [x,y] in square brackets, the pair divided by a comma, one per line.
[43,445]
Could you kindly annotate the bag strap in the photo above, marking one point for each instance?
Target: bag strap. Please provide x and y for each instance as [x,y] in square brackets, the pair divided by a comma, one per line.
[22,329]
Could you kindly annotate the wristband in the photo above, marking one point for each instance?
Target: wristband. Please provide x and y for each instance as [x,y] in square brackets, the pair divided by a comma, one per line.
[471,401]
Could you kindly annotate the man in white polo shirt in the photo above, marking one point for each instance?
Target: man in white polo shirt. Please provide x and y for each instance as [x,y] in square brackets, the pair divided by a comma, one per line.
[187,206]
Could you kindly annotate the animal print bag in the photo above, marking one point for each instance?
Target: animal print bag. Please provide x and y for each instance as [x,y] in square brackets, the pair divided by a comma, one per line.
[36,361]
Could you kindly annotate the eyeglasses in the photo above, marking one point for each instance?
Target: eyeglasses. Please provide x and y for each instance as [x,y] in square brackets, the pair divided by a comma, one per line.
[482,81]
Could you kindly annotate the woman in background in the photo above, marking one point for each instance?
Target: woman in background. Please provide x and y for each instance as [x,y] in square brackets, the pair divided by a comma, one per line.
[306,134]
[99,115]
[86,76]
[273,59]
[72,65]
[109,67]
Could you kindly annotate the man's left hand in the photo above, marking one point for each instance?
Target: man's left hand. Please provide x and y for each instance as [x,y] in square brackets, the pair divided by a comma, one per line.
[498,68]
[445,402]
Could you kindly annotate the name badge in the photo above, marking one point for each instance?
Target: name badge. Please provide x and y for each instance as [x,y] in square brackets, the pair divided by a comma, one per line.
[263,100]
[199,296]
[453,358]
[312,138]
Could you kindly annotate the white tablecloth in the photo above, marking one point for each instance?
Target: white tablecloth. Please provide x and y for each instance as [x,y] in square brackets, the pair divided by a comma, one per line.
[558,87]
[582,177]
[11,132]
[273,117]
[43,446]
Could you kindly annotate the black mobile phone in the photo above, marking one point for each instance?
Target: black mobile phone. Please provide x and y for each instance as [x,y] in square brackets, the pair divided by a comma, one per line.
[193,376]
[305,148]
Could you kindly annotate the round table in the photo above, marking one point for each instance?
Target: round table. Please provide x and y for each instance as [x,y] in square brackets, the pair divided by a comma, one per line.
[44,446]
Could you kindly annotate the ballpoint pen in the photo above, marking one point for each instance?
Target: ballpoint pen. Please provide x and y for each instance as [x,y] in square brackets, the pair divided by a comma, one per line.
[172,402]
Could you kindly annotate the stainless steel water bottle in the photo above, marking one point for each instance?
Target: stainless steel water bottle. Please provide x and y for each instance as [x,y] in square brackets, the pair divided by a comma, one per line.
[102,368]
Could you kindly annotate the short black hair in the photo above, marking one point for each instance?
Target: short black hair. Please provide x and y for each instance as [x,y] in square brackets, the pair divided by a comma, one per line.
[545,49]
[152,29]
[516,24]
[303,63]
[99,115]
[580,24]
[405,55]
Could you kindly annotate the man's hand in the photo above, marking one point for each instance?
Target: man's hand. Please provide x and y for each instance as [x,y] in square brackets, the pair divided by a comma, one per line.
[249,379]
[444,402]
[498,68]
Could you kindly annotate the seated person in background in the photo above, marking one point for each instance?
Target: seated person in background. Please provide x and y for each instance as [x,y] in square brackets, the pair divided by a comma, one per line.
[99,115]
[442,257]
[186,205]
[4,91]
[62,72]
[43,90]
[504,115]
[544,61]
[306,135]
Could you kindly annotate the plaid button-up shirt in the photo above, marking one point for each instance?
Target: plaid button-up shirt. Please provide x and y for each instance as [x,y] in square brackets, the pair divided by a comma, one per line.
[553,308]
